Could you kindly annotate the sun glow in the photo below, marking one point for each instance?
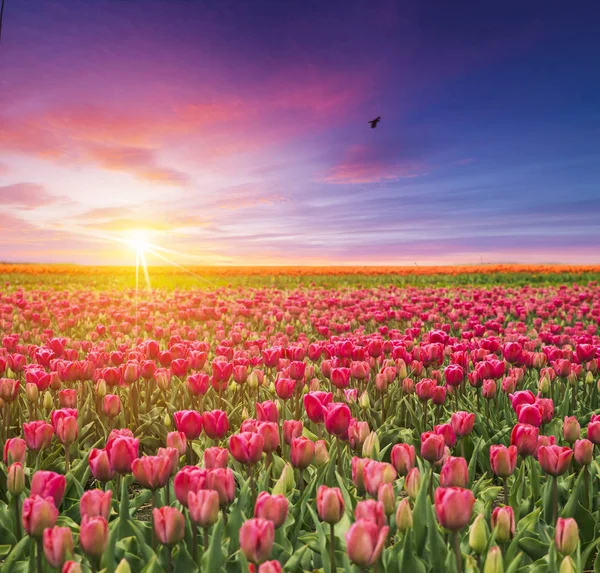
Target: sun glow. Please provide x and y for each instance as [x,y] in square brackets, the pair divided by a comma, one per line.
[139,241]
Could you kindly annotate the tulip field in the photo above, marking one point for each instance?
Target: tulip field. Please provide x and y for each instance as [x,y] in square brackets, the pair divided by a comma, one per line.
[300,422]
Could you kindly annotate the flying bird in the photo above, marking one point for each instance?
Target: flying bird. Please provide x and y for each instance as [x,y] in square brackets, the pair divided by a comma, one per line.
[374,122]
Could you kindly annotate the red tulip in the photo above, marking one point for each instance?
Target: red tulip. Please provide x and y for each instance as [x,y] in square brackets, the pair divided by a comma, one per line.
[546,406]
[203,506]
[292,429]
[584,452]
[524,437]
[455,473]
[246,447]
[454,375]
[267,412]
[48,484]
[216,458]
[571,429]
[425,389]
[9,389]
[432,446]
[554,460]
[121,452]
[302,452]
[178,441]
[152,472]
[270,433]
[403,458]
[256,539]
[330,504]
[462,423]
[15,450]
[189,422]
[270,567]
[272,507]
[522,397]
[503,518]
[371,510]
[197,384]
[529,414]
[438,396]
[593,431]
[66,429]
[285,388]
[503,460]
[447,432]
[337,419]
[375,473]
[100,465]
[365,542]
[58,545]
[38,434]
[315,404]
[189,478]
[95,502]
[111,404]
[358,472]
[169,525]
[223,482]
[488,390]
[453,507]
[37,514]
[340,377]
[216,424]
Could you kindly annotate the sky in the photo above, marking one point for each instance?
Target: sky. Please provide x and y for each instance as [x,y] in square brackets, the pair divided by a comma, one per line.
[236,132]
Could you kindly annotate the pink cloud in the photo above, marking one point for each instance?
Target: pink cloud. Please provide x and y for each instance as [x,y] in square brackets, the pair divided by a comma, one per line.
[26,196]
[361,165]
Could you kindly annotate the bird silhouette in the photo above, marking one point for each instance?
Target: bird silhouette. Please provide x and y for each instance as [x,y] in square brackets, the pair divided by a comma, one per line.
[374,122]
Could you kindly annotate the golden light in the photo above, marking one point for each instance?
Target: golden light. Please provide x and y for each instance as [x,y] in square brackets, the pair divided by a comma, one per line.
[139,241]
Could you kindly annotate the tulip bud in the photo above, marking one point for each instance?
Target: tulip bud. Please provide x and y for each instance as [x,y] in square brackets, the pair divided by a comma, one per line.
[32,392]
[123,567]
[589,378]
[74,567]
[566,535]
[286,481]
[101,388]
[568,566]
[16,479]
[58,545]
[404,516]
[256,539]
[571,429]
[364,401]
[503,520]
[371,446]
[478,534]
[271,507]
[584,452]
[386,495]
[204,507]
[544,385]
[494,562]
[330,504]
[412,484]
[321,456]
[111,405]
[178,441]
[48,402]
[167,421]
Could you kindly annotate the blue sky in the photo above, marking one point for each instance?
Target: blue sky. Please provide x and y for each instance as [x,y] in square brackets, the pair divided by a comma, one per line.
[233,132]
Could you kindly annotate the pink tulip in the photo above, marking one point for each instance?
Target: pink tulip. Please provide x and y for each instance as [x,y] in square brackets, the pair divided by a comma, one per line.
[203,506]
[554,460]
[584,452]
[256,539]
[447,432]
[365,542]
[330,504]
[122,451]
[216,458]
[216,424]
[292,429]
[15,450]
[462,423]
[503,519]
[58,545]
[432,446]
[48,484]
[453,507]
[315,404]
[403,458]
[38,435]
[246,447]
[189,422]
[169,525]
[95,502]
[267,412]
[189,478]
[37,514]
[178,441]
[566,535]
[376,473]
[272,507]
[524,437]
[337,419]
[503,460]
[223,482]
[111,405]
[152,472]
[100,465]
[371,510]
[302,452]
[455,473]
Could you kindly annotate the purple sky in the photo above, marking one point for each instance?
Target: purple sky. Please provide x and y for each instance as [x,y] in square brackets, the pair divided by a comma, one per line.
[236,132]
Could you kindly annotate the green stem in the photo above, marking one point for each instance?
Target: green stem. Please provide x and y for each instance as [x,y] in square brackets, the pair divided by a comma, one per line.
[169,559]
[39,552]
[554,499]
[17,519]
[431,483]
[153,506]
[195,543]
[505,488]
[205,539]
[457,552]
[339,457]
[67,460]
[586,484]
[332,547]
